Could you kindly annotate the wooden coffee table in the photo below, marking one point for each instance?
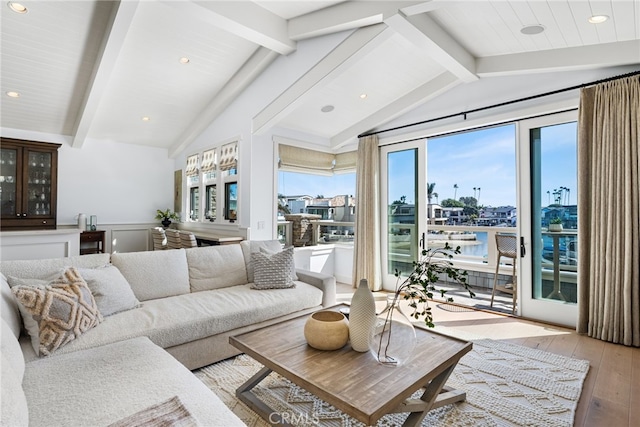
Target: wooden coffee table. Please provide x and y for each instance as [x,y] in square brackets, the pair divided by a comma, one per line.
[353,382]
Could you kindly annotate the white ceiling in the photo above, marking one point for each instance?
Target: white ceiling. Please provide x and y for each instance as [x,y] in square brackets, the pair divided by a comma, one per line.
[94,69]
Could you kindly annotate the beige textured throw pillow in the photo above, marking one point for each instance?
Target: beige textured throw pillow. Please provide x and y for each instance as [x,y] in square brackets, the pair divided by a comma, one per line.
[273,270]
[63,310]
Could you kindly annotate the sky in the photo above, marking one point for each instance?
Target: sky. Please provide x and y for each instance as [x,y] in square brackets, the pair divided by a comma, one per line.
[484,159]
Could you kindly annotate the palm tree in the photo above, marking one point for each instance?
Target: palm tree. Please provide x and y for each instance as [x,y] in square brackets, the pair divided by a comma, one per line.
[478,200]
[548,197]
[474,192]
[430,193]
[455,191]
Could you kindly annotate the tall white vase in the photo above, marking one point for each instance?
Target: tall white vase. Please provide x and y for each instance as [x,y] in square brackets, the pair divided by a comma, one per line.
[362,317]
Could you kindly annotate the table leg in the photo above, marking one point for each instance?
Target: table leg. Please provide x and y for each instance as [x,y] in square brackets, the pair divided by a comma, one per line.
[245,395]
[556,293]
[434,396]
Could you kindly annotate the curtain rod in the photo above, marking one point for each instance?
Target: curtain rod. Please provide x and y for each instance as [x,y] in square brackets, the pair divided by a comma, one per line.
[501,104]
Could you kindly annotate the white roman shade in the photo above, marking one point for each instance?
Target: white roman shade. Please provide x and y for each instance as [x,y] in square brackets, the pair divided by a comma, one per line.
[345,162]
[192,166]
[208,161]
[304,160]
[296,159]
[229,156]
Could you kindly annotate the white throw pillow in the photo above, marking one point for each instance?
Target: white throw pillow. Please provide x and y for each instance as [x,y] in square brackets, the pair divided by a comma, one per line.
[273,270]
[110,289]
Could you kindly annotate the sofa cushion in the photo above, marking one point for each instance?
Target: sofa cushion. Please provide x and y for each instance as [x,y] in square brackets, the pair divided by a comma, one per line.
[13,402]
[10,348]
[273,270]
[154,274]
[100,386]
[213,267]
[251,246]
[45,269]
[63,310]
[173,321]
[9,310]
[110,289]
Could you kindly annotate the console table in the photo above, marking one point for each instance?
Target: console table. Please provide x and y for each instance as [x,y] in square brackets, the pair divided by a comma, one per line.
[92,242]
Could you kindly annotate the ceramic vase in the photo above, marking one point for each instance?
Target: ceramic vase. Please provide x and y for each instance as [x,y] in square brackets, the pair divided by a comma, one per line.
[394,338]
[362,317]
[326,330]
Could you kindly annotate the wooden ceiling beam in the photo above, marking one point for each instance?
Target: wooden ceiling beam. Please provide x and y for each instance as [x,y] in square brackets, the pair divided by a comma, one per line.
[566,59]
[244,19]
[427,35]
[112,44]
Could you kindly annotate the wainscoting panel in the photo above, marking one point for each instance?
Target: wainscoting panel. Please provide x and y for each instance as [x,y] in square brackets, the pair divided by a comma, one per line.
[128,239]
[39,244]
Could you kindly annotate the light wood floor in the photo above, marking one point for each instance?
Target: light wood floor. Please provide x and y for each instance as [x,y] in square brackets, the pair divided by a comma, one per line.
[611,393]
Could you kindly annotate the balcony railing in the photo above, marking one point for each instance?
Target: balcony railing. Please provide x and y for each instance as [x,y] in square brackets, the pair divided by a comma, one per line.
[323,232]
[479,252]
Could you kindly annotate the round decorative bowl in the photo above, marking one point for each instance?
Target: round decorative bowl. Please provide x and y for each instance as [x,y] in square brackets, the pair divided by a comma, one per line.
[326,330]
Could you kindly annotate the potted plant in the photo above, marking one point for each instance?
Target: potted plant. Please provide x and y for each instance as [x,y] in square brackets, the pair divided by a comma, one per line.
[166,216]
[418,288]
[555,224]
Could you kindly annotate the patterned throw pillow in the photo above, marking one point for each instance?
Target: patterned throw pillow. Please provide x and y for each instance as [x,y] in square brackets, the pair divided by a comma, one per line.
[63,309]
[273,270]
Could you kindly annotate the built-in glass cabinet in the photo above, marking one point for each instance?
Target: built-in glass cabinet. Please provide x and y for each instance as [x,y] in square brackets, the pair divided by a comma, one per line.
[28,184]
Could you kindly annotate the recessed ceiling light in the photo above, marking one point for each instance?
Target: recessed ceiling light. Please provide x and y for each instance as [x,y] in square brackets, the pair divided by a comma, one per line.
[146,118]
[363,96]
[184,60]
[13,94]
[327,108]
[598,19]
[17,7]
[530,30]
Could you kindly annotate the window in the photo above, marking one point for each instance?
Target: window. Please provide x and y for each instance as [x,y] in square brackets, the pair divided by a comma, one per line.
[231,200]
[218,169]
[317,183]
[210,208]
[192,173]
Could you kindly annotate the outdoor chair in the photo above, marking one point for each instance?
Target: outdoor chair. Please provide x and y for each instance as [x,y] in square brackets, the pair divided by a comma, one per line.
[173,239]
[188,239]
[507,246]
[159,239]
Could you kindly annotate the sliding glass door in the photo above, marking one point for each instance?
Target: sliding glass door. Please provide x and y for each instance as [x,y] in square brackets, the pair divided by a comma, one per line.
[403,206]
[548,194]
[465,188]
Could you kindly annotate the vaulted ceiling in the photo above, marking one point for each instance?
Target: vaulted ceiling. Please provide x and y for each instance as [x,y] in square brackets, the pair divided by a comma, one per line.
[97,69]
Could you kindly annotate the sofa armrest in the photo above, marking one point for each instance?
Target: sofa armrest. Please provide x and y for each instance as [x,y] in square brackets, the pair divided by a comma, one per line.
[324,282]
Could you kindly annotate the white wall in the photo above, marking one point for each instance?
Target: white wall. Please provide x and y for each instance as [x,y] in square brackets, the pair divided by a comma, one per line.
[120,183]
[256,164]
[493,90]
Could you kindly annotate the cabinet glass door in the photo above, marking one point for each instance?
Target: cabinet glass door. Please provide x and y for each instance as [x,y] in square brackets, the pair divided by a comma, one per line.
[8,181]
[39,183]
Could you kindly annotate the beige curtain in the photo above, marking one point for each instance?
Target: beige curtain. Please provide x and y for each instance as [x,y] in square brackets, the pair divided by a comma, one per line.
[609,211]
[366,253]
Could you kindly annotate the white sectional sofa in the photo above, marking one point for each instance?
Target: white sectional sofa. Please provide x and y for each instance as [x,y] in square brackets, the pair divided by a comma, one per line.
[165,313]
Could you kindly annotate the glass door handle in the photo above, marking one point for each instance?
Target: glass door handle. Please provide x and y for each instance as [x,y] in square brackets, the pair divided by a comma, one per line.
[523,251]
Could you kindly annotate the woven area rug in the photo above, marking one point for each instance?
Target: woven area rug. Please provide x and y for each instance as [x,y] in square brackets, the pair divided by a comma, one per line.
[506,385]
